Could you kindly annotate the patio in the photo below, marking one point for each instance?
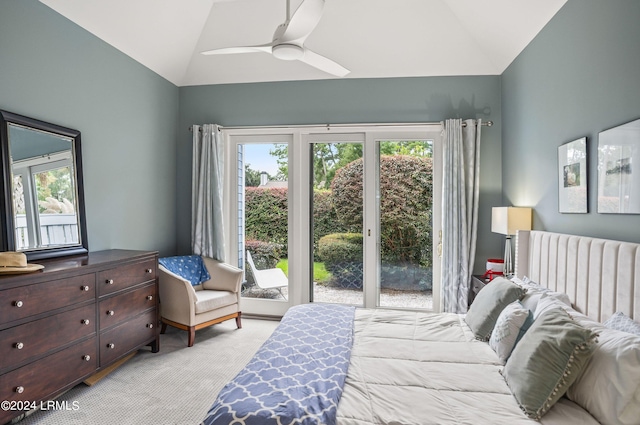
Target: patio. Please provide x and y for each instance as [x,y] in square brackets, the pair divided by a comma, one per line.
[326,294]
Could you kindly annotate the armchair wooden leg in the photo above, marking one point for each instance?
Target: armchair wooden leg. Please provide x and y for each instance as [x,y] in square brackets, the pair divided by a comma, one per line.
[239,320]
[192,336]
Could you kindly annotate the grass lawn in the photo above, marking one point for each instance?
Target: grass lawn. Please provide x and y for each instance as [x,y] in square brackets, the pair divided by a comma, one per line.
[320,274]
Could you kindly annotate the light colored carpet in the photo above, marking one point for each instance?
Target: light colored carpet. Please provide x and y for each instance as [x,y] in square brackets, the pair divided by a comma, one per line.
[175,386]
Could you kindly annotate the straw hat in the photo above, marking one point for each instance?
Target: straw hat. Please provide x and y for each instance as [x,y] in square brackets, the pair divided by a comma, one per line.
[16,262]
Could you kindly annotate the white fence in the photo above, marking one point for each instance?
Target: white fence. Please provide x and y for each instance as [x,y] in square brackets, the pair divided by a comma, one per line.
[55,229]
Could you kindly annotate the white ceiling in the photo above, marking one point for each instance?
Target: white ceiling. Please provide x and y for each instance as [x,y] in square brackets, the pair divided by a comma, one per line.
[372,38]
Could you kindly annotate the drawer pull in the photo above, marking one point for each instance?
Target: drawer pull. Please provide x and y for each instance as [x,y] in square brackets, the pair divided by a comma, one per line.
[149,271]
[150,325]
[149,297]
[109,281]
[111,345]
[19,345]
[19,389]
[86,357]
[84,288]
[18,304]
[85,321]
[110,312]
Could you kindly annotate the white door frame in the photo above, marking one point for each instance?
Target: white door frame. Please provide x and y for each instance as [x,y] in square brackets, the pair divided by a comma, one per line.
[300,140]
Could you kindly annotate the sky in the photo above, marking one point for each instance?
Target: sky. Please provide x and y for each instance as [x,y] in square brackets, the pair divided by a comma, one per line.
[257,155]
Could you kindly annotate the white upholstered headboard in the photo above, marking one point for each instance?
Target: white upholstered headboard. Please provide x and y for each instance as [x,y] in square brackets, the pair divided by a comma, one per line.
[600,276]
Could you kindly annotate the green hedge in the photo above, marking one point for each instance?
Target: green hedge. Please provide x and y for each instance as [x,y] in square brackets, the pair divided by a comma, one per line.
[266,216]
[342,257]
[405,206]
[405,222]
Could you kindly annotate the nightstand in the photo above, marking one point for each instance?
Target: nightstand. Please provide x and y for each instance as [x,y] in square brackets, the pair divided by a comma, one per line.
[477,283]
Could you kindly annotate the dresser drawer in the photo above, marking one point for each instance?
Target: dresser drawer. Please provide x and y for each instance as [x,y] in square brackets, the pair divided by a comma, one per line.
[118,278]
[117,341]
[21,343]
[25,301]
[124,306]
[44,378]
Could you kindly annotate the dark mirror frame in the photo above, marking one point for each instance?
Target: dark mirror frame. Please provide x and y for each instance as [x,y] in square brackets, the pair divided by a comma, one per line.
[7,224]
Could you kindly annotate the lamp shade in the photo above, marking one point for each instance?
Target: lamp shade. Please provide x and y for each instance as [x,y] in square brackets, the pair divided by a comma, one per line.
[508,220]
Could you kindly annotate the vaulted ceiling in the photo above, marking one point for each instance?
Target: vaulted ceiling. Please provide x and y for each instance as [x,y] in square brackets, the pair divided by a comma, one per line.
[371,38]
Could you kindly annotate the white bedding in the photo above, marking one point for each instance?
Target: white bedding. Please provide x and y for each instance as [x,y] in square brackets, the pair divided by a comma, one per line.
[426,368]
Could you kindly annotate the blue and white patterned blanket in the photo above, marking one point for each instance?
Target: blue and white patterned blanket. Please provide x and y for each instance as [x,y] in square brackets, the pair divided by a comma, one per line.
[297,375]
[189,267]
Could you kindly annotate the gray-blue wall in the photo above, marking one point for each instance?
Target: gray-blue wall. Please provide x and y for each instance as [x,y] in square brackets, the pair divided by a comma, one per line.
[350,101]
[55,71]
[579,76]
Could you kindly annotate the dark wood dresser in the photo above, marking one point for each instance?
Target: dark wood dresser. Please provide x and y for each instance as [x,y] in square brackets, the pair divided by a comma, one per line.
[77,316]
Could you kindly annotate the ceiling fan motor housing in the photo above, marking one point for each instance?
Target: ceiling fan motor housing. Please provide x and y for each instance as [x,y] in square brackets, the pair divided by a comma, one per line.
[288,52]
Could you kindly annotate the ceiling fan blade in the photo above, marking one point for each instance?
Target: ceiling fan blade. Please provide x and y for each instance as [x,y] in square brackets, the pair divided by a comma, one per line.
[266,48]
[303,21]
[323,64]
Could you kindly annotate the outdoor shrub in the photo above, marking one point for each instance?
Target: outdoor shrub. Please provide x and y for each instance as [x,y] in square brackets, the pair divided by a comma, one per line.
[405,206]
[342,257]
[266,216]
[324,216]
[340,247]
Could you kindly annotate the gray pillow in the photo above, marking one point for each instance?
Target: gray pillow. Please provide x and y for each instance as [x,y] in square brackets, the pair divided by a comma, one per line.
[488,305]
[547,360]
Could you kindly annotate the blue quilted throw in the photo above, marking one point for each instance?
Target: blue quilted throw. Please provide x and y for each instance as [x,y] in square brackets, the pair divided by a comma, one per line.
[297,376]
[189,267]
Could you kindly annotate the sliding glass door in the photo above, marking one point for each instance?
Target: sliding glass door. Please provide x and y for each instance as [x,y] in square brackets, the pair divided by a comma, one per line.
[347,214]
[337,184]
[405,223]
[261,217]
[374,208]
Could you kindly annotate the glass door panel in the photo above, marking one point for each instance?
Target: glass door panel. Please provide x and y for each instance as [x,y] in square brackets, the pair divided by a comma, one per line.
[263,223]
[405,192]
[337,183]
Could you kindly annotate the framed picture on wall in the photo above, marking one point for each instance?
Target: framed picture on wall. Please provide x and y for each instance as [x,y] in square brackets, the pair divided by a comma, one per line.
[572,177]
[619,169]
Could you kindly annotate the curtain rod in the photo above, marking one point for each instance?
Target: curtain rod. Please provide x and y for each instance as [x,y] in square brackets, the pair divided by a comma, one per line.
[405,124]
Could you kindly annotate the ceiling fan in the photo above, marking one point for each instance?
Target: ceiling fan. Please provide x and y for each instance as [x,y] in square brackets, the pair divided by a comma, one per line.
[289,37]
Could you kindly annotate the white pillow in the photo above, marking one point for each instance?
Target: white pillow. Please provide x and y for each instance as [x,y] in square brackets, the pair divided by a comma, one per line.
[507,329]
[536,291]
[550,300]
[619,321]
[609,385]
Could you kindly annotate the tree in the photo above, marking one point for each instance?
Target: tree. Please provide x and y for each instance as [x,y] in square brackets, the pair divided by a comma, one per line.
[251,176]
[281,152]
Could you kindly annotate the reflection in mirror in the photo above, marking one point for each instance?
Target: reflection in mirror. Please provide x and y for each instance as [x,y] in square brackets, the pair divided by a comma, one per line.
[43,199]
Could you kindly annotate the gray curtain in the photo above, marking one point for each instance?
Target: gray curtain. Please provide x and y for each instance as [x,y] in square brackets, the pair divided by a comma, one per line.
[460,189]
[207,230]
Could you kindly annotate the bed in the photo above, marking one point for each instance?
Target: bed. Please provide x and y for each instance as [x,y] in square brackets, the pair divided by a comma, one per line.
[339,365]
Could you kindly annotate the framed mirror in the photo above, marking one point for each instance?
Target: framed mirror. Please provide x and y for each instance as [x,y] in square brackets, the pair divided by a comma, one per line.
[43,211]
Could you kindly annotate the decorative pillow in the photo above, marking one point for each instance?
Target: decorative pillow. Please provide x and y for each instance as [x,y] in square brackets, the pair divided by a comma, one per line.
[547,360]
[531,299]
[535,290]
[619,321]
[188,267]
[507,329]
[548,301]
[609,386]
[488,304]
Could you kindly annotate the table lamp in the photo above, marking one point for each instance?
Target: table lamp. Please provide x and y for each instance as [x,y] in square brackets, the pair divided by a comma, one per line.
[507,221]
